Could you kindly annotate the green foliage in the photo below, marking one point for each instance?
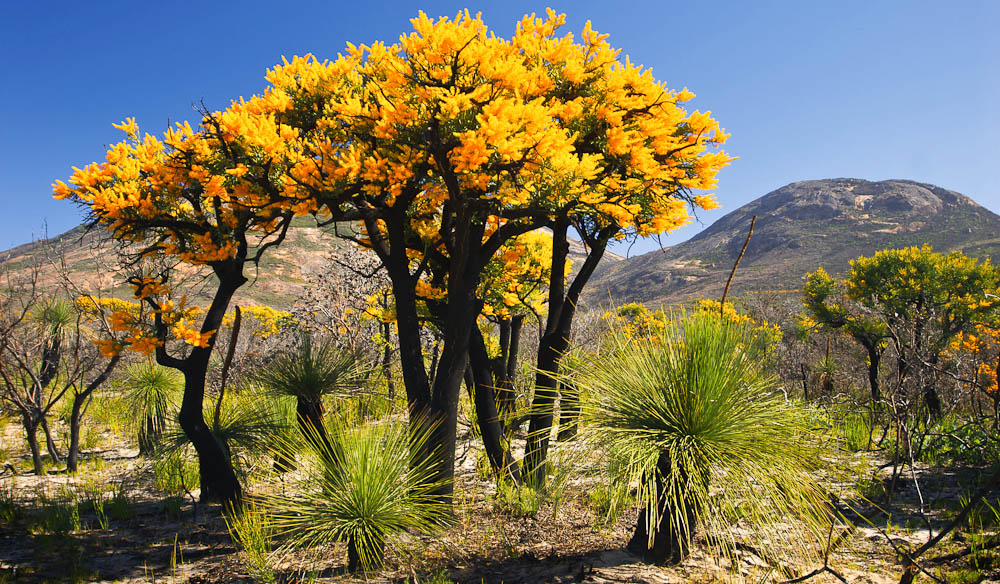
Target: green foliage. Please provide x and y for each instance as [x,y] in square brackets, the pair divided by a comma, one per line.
[249,425]
[314,370]
[58,514]
[697,396]
[365,488]
[851,428]
[953,440]
[120,505]
[174,473]
[607,501]
[251,529]
[11,509]
[149,395]
[517,501]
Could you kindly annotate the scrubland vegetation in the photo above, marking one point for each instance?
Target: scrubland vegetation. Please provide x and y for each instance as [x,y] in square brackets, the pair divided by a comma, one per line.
[442,407]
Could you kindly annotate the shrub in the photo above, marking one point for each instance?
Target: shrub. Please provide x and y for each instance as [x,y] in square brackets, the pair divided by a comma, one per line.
[692,410]
[362,489]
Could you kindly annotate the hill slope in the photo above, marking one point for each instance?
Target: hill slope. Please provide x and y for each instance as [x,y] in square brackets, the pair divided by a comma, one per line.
[281,280]
[799,227]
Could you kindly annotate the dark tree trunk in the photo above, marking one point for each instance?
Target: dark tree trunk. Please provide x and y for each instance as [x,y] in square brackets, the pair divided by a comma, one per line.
[31,436]
[387,361]
[73,455]
[50,443]
[490,426]
[671,537]
[553,344]
[310,419]
[76,416]
[149,434]
[508,367]
[569,411]
[874,360]
[218,479]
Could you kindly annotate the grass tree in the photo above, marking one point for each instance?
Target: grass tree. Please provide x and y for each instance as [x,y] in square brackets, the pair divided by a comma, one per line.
[150,394]
[694,419]
[362,487]
[308,373]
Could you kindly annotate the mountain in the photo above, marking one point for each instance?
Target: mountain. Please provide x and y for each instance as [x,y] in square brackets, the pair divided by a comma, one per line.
[284,274]
[800,227]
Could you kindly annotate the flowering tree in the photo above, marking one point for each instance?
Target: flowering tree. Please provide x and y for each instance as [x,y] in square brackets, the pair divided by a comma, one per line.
[458,140]
[205,198]
[913,299]
[443,146]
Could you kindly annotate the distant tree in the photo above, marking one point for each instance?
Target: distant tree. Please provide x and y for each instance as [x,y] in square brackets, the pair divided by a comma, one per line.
[915,299]
[46,353]
[830,308]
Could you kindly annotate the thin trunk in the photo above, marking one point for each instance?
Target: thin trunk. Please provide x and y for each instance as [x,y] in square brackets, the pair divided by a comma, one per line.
[490,426]
[553,345]
[506,394]
[50,443]
[74,432]
[387,361]
[76,416]
[31,435]
[230,353]
[805,382]
[874,360]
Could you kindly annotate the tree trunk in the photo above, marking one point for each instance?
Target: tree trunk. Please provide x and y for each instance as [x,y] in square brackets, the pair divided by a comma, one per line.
[874,359]
[148,435]
[490,426]
[553,344]
[672,535]
[79,399]
[50,443]
[387,361]
[218,479]
[506,395]
[74,432]
[31,435]
[310,418]
[569,412]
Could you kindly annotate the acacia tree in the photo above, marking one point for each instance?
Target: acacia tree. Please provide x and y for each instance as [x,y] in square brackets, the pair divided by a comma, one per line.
[207,198]
[457,141]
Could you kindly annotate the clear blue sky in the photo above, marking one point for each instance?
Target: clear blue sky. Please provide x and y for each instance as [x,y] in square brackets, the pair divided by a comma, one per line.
[809,90]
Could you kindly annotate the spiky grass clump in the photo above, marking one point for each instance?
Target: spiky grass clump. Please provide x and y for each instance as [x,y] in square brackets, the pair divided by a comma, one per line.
[694,419]
[249,426]
[251,528]
[149,395]
[363,489]
[315,369]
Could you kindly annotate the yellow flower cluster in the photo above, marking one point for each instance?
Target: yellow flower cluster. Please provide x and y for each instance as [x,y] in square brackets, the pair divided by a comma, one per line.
[516,278]
[267,321]
[539,119]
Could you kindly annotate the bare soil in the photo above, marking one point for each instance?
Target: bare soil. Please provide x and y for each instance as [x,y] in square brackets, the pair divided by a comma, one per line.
[162,539]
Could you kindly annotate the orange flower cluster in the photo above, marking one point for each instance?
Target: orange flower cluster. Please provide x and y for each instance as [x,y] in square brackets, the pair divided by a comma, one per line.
[539,121]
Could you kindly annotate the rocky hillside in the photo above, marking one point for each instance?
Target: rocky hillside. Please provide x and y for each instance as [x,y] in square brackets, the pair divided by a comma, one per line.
[281,280]
[799,227]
